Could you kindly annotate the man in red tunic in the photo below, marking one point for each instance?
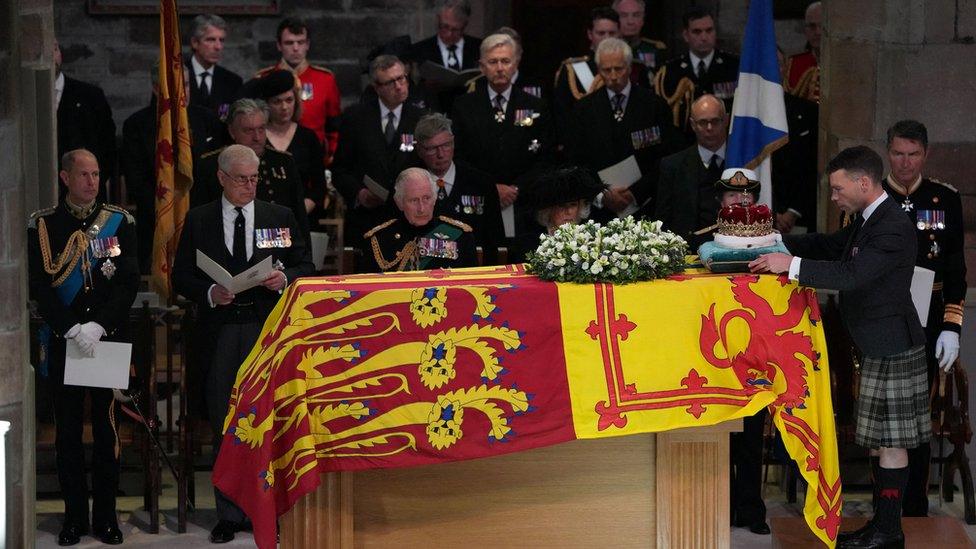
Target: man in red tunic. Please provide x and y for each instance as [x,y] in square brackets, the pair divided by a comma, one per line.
[803,69]
[319,92]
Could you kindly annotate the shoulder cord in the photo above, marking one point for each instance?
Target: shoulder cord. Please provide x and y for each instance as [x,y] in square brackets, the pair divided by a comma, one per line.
[73,252]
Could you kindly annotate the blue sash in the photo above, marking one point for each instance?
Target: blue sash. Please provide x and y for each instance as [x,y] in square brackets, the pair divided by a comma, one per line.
[68,290]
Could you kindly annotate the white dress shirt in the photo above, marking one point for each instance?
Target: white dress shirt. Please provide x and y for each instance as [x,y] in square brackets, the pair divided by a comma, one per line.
[449,176]
[706,155]
[385,111]
[446,55]
[58,90]
[625,92]
[695,59]
[794,273]
[230,217]
[198,70]
[507,94]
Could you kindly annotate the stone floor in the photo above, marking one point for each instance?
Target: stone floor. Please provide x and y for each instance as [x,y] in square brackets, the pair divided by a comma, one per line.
[134,521]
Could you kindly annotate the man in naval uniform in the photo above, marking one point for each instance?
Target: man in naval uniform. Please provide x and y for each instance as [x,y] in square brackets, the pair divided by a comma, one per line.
[415,239]
[280,182]
[578,76]
[702,70]
[803,69]
[84,275]
[321,102]
[526,83]
[237,231]
[648,54]
[935,210]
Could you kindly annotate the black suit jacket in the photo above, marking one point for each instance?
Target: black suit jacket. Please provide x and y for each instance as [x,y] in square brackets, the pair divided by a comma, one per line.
[474,200]
[678,195]
[85,121]
[364,151]
[223,90]
[139,166]
[511,154]
[794,165]
[646,132]
[204,230]
[872,267]
[428,50]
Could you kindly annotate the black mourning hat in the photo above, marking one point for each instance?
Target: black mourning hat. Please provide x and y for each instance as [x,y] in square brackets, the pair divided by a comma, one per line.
[563,185]
[275,83]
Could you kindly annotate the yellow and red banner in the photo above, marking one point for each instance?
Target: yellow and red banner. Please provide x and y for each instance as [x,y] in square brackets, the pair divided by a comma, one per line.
[174,159]
[402,369]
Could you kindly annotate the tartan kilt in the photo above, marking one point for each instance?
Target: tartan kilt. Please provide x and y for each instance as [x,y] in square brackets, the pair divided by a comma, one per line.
[892,409]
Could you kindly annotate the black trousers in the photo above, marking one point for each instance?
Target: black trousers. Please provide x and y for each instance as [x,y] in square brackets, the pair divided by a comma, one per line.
[232,345]
[746,471]
[69,418]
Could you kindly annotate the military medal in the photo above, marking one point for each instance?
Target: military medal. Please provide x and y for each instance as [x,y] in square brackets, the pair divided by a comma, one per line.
[934,249]
[907,204]
[534,146]
[533,90]
[647,58]
[439,247]
[499,116]
[930,220]
[307,91]
[525,117]
[618,115]
[406,142]
[108,269]
[724,90]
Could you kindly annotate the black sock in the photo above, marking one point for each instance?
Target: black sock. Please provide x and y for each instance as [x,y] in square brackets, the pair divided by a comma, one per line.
[875,481]
[890,495]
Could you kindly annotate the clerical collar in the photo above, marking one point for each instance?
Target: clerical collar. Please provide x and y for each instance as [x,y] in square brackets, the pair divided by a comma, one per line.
[901,189]
[81,212]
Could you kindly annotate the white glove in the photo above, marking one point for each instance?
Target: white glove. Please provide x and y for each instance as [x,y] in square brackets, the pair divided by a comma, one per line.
[88,336]
[947,349]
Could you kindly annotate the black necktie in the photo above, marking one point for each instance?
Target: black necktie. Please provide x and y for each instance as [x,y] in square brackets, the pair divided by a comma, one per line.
[500,103]
[204,86]
[240,250]
[618,106]
[858,223]
[452,60]
[390,131]
[714,169]
[701,69]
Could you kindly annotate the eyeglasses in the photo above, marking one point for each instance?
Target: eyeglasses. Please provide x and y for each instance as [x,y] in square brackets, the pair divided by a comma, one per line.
[393,81]
[242,180]
[704,123]
[443,147]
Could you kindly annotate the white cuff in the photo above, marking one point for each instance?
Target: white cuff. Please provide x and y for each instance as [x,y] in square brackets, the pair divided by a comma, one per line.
[598,201]
[210,297]
[794,212]
[794,273]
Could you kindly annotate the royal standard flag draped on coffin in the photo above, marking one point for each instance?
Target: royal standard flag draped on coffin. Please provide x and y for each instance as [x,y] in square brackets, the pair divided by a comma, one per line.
[416,368]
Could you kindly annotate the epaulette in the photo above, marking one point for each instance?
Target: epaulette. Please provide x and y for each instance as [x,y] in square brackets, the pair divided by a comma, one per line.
[32,220]
[319,68]
[944,184]
[656,43]
[121,210]
[265,71]
[459,224]
[473,83]
[211,153]
[378,228]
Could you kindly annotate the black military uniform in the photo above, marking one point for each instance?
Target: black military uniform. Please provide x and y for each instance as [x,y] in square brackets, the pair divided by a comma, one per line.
[83,268]
[677,83]
[279,183]
[649,56]
[794,165]
[935,209]
[396,245]
[567,89]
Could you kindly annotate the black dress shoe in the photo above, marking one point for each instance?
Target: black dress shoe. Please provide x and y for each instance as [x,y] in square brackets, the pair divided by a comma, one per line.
[109,534]
[760,528]
[224,531]
[852,534]
[874,539]
[71,534]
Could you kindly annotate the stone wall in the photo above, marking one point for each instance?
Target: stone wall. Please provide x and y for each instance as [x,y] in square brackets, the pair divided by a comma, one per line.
[885,60]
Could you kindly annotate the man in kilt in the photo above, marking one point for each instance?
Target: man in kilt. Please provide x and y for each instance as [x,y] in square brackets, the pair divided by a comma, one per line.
[871,262]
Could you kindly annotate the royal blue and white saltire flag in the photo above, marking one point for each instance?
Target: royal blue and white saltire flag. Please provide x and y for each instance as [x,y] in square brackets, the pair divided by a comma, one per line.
[758,112]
